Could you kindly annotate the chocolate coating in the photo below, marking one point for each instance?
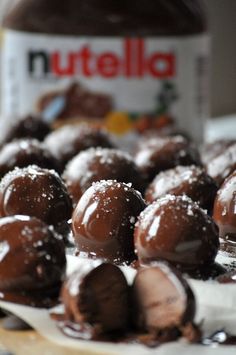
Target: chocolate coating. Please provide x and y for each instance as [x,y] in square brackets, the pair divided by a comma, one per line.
[177,230]
[224,212]
[33,262]
[103,221]
[100,164]
[69,140]
[222,165]
[165,153]
[210,151]
[24,152]
[26,127]
[163,299]
[36,192]
[191,181]
[98,297]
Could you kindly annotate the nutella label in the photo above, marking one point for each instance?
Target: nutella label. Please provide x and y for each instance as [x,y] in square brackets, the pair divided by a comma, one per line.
[127,84]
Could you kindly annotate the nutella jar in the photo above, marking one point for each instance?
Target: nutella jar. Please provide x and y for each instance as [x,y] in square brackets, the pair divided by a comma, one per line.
[131,65]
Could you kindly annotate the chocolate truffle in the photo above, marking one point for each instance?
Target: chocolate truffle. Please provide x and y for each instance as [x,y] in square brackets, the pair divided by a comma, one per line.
[177,230]
[164,301]
[26,127]
[103,221]
[211,150]
[191,181]
[224,212]
[23,152]
[165,153]
[67,141]
[35,192]
[223,165]
[32,263]
[97,300]
[97,164]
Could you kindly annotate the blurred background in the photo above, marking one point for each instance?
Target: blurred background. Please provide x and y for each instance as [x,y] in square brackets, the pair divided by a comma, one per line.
[222,24]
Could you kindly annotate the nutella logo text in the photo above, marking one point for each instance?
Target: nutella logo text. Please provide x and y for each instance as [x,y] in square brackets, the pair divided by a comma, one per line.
[134,61]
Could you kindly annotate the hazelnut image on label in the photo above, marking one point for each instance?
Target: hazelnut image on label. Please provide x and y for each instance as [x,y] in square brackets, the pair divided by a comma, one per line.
[103,221]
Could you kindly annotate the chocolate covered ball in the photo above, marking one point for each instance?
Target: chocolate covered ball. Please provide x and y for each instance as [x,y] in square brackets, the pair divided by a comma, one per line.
[224,212]
[26,127]
[177,230]
[222,165]
[97,164]
[67,141]
[191,181]
[23,152]
[165,153]
[36,192]
[32,264]
[103,221]
[211,150]
[97,299]
[163,301]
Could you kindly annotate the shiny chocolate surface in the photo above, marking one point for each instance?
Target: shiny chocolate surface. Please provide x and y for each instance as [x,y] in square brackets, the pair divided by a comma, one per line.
[224,212]
[163,153]
[103,221]
[100,164]
[32,265]
[191,181]
[67,141]
[35,192]
[177,230]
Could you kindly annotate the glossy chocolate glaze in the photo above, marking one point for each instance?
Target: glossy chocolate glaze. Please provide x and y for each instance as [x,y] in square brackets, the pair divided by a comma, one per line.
[191,181]
[163,153]
[103,221]
[26,127]
[100,164]
[23,152]
[36,192]
[177,230]
[99,298]
[222,165]
[33,262]
[224,212]
[67,141]
[210,151]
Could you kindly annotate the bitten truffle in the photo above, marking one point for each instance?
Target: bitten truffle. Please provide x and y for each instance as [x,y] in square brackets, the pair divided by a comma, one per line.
[32,263]
[67,141]
[23,152]
[103,221]
[163,301]
[35,192]
[224,212]
[97,299]
[163,153]
[177,230]
[191,181]
[100,164]
[26,127]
